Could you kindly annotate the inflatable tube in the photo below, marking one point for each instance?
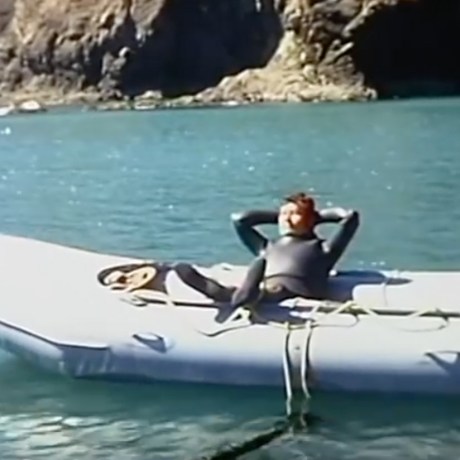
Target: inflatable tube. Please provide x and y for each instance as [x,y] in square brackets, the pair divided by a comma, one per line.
[380,330]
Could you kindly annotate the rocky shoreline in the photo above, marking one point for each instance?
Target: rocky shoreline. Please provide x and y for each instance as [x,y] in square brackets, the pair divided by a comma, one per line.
[146,54]
[40,101]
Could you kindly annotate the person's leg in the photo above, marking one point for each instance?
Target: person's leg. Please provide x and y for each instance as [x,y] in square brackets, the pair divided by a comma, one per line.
[209,287]
[249,291]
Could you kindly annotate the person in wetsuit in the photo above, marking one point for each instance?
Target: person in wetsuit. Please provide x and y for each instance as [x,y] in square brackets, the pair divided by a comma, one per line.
[298,263]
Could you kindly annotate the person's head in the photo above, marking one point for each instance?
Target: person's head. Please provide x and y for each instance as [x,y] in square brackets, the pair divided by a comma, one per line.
[297,215]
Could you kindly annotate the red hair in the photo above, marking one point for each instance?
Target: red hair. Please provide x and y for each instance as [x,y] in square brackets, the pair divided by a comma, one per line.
[306,204]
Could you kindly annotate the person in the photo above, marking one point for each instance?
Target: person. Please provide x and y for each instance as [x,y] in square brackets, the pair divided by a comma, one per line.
[298,263]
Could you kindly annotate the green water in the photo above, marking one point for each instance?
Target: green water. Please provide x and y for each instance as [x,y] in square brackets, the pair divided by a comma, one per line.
[162,185]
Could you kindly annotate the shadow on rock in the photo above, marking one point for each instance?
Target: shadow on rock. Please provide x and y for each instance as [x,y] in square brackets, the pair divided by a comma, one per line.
[193,45]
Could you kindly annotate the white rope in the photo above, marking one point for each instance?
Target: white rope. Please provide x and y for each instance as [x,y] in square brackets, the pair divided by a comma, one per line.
[299,406]
[287,374]
[356,309]
[304,363]
[230,324]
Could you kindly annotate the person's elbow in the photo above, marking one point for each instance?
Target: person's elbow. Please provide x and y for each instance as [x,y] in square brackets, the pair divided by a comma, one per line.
[353,214]
[353,218]
[238,218]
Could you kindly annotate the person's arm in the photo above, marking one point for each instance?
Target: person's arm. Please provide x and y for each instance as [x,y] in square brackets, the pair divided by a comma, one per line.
[349,223]
[244,224]
[331,215]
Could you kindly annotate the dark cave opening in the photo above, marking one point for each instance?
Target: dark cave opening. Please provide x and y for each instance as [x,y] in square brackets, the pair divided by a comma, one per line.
[411,49]
[195,44]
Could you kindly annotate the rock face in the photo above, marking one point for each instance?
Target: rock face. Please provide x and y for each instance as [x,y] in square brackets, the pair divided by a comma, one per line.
[226,50]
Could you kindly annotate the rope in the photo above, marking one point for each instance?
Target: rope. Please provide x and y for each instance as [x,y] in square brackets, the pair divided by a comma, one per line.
[356,309]
[131,298]
[297,408]
[329,308]
[287,374]
[304,362]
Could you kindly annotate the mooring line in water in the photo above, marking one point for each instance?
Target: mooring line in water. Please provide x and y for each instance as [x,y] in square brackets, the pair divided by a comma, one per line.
[234,451]
[297,398]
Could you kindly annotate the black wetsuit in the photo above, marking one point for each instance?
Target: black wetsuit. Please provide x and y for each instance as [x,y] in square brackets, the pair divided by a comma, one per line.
[290,266]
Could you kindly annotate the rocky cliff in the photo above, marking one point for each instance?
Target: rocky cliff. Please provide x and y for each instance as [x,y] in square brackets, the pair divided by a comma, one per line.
[227,50]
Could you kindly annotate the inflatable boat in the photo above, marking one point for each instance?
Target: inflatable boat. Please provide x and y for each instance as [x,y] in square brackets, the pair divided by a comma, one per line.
[384,331]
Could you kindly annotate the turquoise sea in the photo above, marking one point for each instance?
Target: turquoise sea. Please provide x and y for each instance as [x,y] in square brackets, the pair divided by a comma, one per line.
[162,185]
